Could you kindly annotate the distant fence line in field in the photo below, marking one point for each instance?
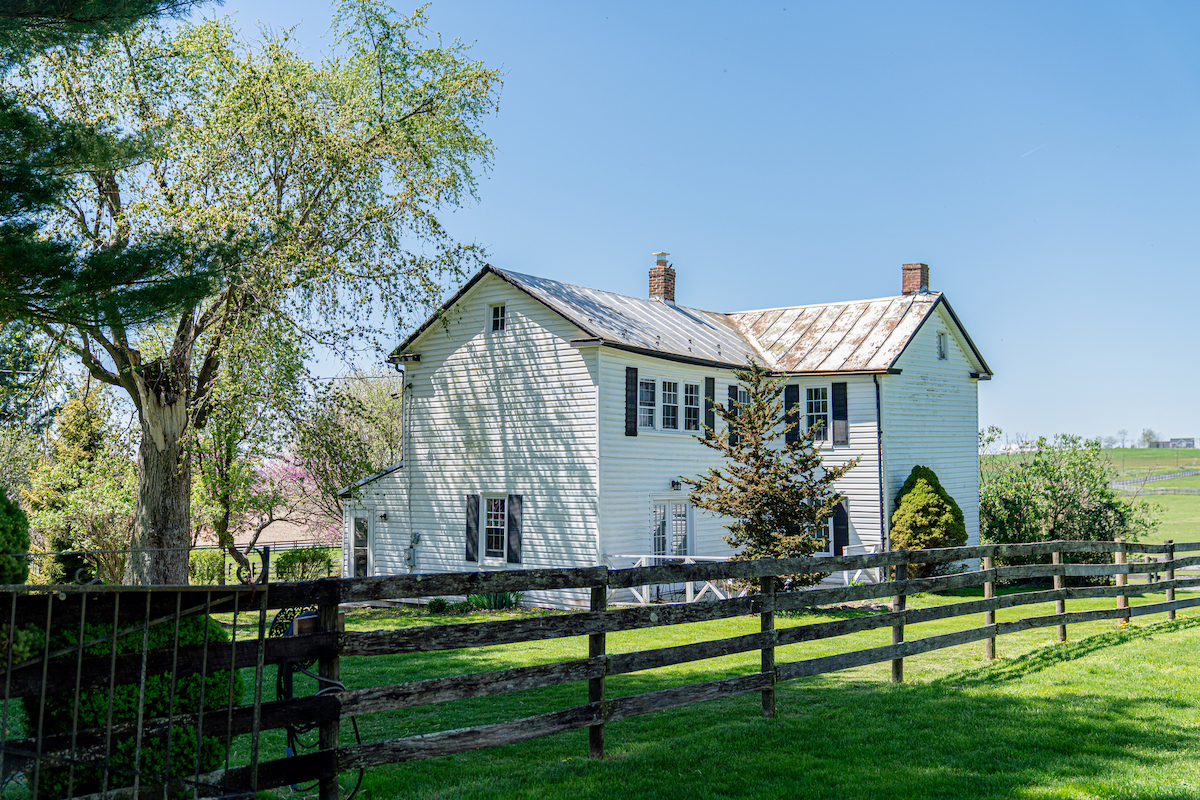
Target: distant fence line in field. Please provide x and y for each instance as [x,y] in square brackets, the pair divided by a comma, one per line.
[139,609]
[1151,490]
[1152,478]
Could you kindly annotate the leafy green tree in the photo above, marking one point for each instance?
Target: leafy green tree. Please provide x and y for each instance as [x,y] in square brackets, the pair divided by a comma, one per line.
[14,541]
[779,493]
[242,486]
[348,430]
[1062,492]
[317,185]
[81,494]
[926,517]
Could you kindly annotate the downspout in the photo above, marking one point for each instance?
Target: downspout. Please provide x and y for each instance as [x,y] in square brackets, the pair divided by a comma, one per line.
[883,529]
[406,465]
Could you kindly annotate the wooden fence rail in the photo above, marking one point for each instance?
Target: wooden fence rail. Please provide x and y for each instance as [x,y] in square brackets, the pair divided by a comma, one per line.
[53,672]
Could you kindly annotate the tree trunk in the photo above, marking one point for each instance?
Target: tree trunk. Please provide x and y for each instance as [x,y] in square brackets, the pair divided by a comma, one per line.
[162,534]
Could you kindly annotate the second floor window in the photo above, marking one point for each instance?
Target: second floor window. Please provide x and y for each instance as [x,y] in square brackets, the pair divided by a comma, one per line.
[691,406]
[816,408]
[670,405]
[646,403]
[497,318]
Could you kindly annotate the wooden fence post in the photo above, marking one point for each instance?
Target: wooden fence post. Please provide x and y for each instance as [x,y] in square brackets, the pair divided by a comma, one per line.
[989,616]
[767,584]
[898,604]
[1119,557]
[327,620]
[596,648]
[1060,605]
[1170,576]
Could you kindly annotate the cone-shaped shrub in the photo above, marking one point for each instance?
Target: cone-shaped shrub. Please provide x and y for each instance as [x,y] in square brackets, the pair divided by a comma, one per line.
[926,517]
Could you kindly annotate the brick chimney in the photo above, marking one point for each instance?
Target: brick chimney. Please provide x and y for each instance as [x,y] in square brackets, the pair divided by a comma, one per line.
[916,279]
[662,280]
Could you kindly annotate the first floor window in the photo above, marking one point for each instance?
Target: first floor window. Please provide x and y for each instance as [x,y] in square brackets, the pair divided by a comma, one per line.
[495,527]
[691,406]
[646,403]
[670,405]
[816,407]
[669,529]
[825,539]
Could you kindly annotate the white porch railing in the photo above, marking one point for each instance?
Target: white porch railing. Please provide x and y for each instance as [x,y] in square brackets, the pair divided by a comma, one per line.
[721,589]
[871,575]
[642,594]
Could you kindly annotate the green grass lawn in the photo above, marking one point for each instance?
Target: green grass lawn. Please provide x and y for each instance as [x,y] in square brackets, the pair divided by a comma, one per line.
[1113,713]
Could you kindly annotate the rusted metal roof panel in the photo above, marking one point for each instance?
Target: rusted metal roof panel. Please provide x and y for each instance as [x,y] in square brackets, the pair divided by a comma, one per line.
[864,336]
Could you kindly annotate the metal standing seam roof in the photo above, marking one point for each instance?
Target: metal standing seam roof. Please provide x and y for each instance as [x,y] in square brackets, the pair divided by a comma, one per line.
[860,336]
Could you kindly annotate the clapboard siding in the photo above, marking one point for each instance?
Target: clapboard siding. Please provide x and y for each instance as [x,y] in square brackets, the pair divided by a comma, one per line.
[930,417]
[494,413]
[637,470]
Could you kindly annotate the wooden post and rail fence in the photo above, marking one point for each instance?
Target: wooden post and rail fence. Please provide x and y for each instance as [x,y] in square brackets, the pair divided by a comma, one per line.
[57,671]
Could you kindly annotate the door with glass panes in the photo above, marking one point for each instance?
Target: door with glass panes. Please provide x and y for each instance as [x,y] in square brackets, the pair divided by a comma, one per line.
[362,556]
[671,528]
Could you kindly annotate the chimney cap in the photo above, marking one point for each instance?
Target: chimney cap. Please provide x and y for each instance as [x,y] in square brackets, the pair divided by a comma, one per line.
[660,257]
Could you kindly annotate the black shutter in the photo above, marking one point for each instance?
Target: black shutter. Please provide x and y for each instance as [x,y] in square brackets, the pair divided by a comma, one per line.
[473,527]
[841,425]
[631,397]
[734,410]
[791,400]
[514,528]
[710,402]
[841,527]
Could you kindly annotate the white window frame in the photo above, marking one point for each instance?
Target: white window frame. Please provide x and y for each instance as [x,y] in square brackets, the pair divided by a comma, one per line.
[368,513]
[658,412]
[825,436]
[828,551]
[647,412]
[485,557]
[668,500]
[697,407]
[492,319]
[663,405]
[943,345]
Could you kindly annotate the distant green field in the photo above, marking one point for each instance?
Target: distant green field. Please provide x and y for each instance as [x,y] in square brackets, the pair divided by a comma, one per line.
[1130,462]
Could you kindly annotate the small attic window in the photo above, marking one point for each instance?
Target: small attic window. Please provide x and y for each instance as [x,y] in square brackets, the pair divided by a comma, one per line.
[498,318]
[943,346]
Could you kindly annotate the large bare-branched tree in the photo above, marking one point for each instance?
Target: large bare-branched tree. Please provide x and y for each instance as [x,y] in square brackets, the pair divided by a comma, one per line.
[318,183]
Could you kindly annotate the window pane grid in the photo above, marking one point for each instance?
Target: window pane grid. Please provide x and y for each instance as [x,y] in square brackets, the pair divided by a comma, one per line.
[670,405]
[658,529]
[679,542]
[497,318]
[816,406]
[691,406]
[494,522]
[646,404]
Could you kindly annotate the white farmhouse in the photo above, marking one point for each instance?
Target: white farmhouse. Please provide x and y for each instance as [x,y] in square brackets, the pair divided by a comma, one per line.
[547,425]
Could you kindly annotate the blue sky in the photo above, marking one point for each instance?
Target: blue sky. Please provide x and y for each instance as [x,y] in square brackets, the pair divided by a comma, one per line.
[1042,158]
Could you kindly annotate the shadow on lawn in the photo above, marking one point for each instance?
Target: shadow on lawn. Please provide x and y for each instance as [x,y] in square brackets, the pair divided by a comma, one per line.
[967,735]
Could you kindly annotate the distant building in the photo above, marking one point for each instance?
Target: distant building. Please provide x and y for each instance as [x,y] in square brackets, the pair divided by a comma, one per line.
[1175,443]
